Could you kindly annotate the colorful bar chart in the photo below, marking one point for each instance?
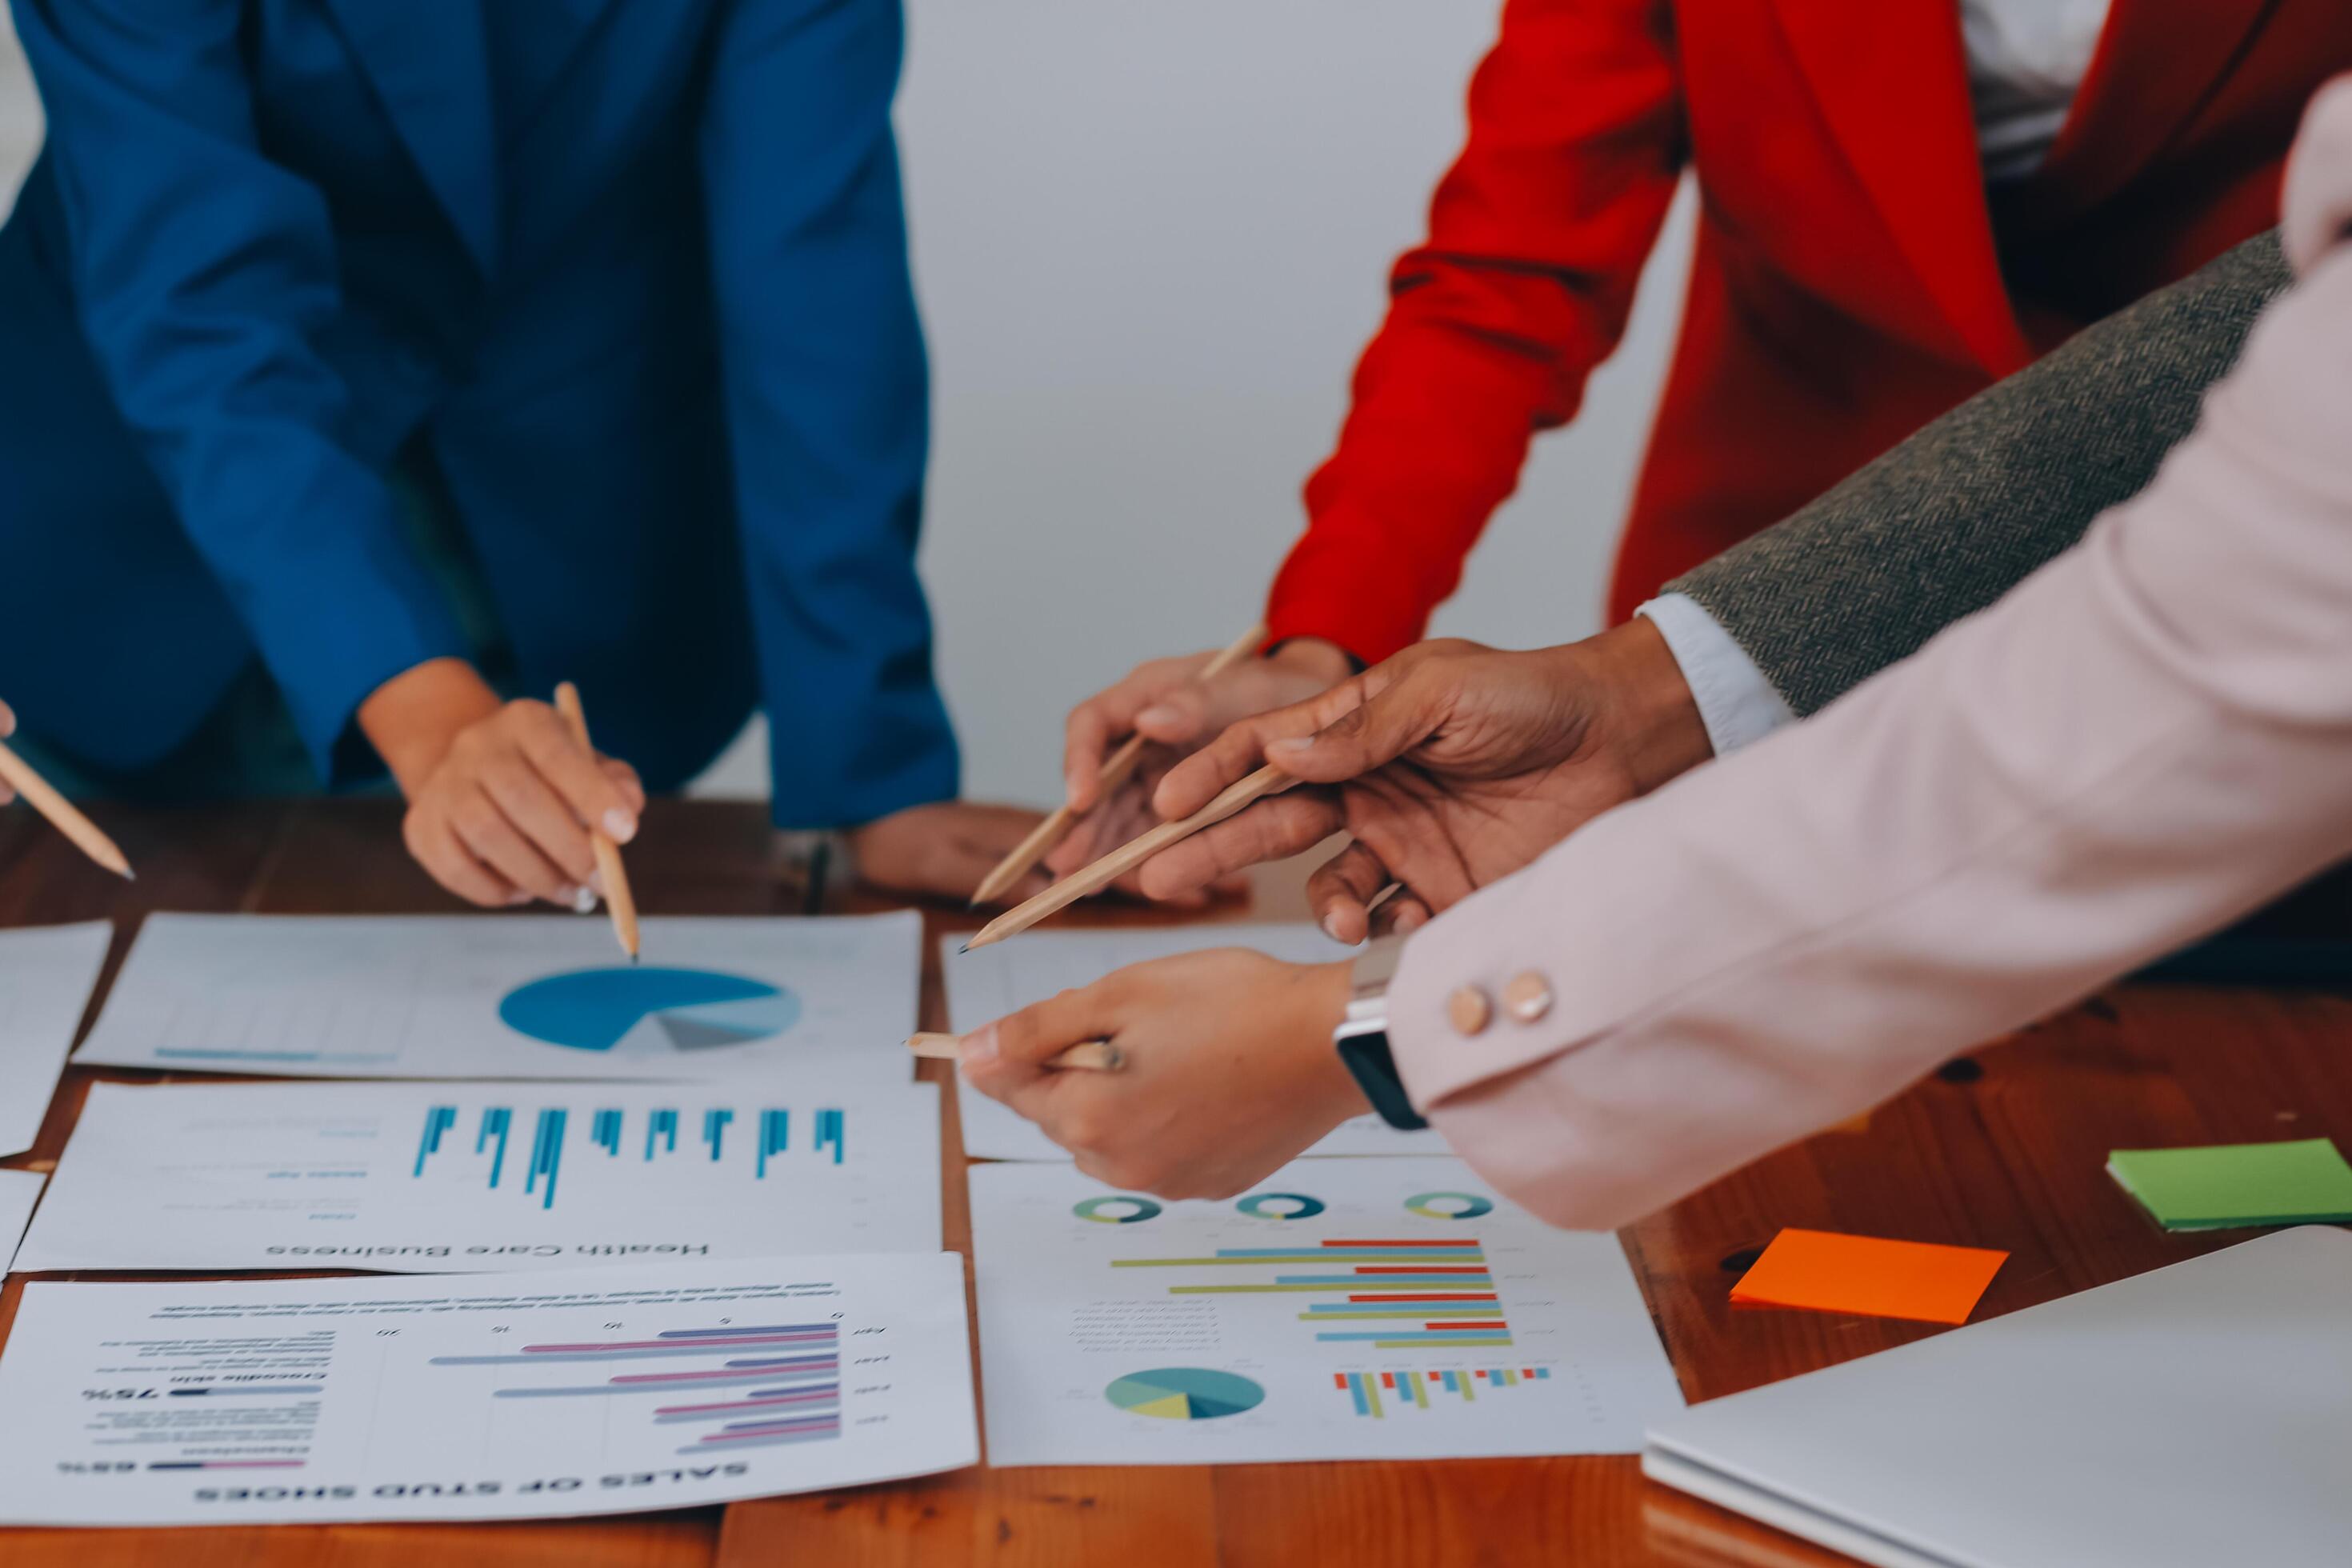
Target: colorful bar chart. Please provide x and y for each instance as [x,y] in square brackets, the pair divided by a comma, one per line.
[608,1129]
[1411,1389]
[788,1390]
[1386,1294]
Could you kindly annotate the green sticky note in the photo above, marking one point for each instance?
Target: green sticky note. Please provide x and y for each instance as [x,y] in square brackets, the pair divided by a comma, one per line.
[2232,1185]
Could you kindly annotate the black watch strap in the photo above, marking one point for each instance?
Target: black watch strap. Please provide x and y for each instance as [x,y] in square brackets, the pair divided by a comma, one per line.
[1363,1037]
[1374,1066]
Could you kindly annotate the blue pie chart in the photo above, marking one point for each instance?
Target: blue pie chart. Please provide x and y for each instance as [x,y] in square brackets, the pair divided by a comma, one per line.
[656,1009]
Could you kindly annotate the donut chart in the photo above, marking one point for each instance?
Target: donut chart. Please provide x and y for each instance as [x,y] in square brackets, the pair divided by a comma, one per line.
[1450,1205]
[1280,1206]
[1114,1208]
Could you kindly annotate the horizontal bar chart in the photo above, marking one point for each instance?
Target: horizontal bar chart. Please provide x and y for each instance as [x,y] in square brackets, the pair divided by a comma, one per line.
[1389,1294]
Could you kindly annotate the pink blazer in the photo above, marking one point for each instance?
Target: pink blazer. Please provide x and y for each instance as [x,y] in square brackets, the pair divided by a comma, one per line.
[2148,738]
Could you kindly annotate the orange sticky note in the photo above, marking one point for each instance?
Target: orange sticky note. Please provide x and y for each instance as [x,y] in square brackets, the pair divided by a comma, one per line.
[1832,1273]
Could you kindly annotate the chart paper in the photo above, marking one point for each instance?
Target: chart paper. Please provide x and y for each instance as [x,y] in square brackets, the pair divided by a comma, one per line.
[1007,976]
[602,1391]
[46,975]
[1343,1309]
[543,996]
[456,1177]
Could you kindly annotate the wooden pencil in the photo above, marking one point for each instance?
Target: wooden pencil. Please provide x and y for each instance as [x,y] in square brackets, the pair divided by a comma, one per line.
[1129,855]
[63,815]
[1116,771]
[1087,1055]
[618,900]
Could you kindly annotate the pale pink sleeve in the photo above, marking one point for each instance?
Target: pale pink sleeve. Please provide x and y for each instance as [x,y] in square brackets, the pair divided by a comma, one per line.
[2145,740]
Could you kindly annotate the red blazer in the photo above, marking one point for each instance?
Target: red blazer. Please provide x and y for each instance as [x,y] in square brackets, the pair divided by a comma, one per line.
[1851,281]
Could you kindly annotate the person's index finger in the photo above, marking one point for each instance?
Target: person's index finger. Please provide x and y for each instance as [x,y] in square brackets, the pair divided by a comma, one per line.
[1272,829]
[576,774]
[1037,1034]
[1086,739]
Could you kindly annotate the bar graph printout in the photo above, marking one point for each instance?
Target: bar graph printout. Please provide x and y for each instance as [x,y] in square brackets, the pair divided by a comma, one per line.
[1011,975]
[599,1391]
[472,1177]
[525,996]
[1342,1309]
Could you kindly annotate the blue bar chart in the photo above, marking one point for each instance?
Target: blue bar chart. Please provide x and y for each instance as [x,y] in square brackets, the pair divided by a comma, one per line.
[552,1127]
[436,1177]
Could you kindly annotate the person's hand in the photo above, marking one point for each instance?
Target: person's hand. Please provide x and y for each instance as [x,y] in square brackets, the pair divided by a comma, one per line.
[945,848]
[1229,1070]
[7,728]
[1166,702]
[1451,766]
[499,794]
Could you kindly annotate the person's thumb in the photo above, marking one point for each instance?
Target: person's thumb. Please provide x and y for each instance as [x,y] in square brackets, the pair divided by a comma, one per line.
[1175,715]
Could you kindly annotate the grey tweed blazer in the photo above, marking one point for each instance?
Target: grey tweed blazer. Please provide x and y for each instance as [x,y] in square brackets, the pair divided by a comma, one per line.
[1955,516]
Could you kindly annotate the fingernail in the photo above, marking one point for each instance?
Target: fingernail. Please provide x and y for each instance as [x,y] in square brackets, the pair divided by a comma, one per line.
[1160,713]
[979,1047]
[1331,929]
[619,825]
[1408,920]
[517,897]
[583,900]
[1291,744]
[596,883]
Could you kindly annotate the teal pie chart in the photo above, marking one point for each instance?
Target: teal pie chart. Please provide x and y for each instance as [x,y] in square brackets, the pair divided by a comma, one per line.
[649,1012]
[1184,1394]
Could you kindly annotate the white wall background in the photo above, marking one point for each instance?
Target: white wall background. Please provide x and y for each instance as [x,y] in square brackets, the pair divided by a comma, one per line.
[1152,236]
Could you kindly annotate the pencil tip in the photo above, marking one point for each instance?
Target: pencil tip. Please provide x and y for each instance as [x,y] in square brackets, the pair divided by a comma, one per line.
[965,948]
[129,874]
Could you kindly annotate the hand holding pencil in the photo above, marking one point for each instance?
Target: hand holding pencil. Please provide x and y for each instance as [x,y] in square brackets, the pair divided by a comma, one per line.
[1118,742]
[17,777]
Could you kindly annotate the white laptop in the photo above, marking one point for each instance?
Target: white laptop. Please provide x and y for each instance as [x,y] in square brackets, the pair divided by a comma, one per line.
[2198,1415]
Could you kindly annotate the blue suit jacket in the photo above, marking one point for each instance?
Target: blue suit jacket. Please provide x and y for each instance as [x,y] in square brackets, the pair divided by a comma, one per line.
[654,320]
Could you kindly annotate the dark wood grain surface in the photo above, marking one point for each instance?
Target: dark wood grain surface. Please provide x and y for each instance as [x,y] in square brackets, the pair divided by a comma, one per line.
[2005,1149]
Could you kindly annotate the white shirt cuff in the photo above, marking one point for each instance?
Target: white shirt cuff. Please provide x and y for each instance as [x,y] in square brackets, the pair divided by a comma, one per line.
[1736,703]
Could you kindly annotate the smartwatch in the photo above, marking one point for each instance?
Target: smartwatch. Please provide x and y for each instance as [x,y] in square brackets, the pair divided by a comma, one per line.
[1363,1037]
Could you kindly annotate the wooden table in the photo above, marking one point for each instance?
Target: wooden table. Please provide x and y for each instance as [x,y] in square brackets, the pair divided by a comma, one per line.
[2004,1149]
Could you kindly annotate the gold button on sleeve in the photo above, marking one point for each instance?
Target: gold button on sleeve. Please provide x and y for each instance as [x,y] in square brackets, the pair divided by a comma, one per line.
[1527,998]
[1468,1010]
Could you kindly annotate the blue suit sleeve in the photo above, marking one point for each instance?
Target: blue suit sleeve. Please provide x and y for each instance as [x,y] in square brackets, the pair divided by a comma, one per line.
[826,401]
[204,275]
